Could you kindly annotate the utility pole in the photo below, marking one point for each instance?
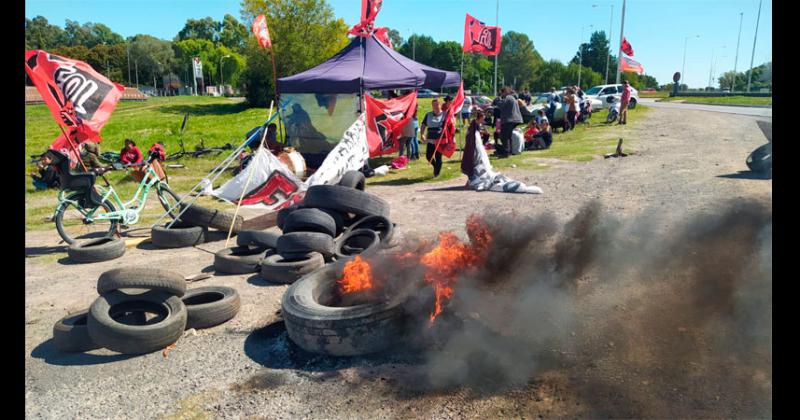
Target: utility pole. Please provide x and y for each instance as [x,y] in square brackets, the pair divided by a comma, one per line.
[497,23]
[736,60]
[610,29]
[621,36]
[128,50]
[750,73]
[136,64]
[711,68]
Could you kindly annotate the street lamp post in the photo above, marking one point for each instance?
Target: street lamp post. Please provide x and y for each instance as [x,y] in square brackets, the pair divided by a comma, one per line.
[496,23]
[619,50]
[711,67]
[683,68]
[580,53]
[221,78]
[136,64]
[610,28]
[736,60]
[752,56]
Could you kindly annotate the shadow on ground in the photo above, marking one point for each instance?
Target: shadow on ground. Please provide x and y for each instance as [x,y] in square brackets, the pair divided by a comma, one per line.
[745,175]
[48,352]
[205,109]
[36,251]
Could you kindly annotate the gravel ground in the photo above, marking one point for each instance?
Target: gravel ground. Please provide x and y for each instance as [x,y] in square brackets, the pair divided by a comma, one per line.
[686,162]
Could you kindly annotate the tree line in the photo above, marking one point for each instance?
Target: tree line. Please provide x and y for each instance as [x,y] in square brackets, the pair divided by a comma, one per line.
[304,33]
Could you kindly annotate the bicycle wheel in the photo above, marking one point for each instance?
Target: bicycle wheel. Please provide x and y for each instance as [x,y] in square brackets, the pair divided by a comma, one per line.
[169,199]
[72,225]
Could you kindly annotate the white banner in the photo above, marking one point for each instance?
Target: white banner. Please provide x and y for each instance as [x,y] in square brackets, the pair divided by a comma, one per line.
[349,155]
[197,67]
[485,179]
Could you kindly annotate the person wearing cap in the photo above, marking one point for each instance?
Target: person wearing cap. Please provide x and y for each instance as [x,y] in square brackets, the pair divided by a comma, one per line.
[624,100]
[90,155]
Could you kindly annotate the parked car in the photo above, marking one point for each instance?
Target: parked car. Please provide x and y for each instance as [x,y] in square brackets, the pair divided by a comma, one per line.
[602,92]
[427,93]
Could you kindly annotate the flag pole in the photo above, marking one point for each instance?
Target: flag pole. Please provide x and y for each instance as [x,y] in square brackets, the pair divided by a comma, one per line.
[78,155]
[249,177]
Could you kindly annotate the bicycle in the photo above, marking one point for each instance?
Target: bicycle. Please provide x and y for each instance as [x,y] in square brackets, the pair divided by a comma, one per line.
[87,210]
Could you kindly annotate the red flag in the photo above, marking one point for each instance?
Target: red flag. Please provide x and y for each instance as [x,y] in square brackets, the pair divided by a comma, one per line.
[447,142]
[479,38]
[382,34]
[261,31]
[385,122]
[626,47]
[629,65]
[62,80]
[369,9]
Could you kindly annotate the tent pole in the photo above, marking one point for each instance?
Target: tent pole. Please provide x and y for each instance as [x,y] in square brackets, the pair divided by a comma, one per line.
[249,177]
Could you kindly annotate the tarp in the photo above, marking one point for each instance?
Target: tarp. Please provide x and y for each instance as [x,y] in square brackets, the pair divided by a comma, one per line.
[367,64]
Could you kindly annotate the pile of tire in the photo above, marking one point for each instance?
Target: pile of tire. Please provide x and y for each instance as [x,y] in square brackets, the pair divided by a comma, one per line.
[192,228]
[252,246]
[332,223]
[96,250]
[138,323]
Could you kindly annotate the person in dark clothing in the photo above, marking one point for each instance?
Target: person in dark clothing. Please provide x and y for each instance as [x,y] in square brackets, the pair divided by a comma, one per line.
[434,122]
[47,176]
[510,117]
[543,137]
[90,155]
[468,159]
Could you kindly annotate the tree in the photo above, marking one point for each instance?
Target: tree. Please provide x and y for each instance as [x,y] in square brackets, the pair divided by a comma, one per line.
[595,53]
[518,60]
[394,36]
[478,73]
[446,56]
[41,35]
[152,56]
[551,74]
[304,33]
[420,48]
[206,28]
[233,34]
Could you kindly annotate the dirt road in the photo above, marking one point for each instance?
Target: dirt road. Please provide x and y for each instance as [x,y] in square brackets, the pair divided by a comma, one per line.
[686,163]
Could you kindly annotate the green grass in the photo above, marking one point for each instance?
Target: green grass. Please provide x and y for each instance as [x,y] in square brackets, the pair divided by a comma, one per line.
[661,94]
[219,120]
[725,100]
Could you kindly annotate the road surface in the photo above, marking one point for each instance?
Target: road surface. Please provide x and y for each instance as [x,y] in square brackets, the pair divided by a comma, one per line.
[740,110]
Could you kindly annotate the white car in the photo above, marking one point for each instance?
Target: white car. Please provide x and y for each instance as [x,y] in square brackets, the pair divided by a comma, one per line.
[602,92]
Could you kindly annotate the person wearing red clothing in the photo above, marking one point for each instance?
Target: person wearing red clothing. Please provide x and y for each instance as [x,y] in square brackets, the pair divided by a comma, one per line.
[130,154]
[624,100]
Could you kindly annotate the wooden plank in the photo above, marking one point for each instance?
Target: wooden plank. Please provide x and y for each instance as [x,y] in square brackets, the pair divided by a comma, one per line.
[261,222]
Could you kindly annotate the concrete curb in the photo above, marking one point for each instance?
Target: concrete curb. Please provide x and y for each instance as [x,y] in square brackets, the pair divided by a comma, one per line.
[740,106]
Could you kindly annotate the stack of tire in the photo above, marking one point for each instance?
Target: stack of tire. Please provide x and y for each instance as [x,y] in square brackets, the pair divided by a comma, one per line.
[118,320]
[333,222]
[252,246]
[192,228]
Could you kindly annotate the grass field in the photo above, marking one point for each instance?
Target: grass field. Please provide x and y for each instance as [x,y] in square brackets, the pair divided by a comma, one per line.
[723,100]
[661,94]
[218,121]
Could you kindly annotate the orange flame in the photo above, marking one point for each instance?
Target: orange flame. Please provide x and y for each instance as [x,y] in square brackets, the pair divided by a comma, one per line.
[451,257]
[357,276]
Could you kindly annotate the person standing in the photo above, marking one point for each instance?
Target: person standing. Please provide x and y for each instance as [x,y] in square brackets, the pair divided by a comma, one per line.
[571,102]
[434,123]
[510,117]
[466,110]
[471,145]
[624,101]
[408,133]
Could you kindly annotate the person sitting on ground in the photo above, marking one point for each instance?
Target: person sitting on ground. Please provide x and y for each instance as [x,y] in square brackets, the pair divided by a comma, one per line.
[158,150]
[530,131]
[130,154]
[46,175]
[90,155]
[543,137]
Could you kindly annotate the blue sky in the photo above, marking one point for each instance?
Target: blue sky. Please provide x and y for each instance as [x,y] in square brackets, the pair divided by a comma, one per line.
[655,28]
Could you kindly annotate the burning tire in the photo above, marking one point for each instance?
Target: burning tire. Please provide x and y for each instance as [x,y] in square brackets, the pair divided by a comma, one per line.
[338,331]
[346,200]
[356,242]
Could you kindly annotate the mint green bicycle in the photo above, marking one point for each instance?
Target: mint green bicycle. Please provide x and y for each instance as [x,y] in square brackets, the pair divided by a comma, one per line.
[86,210]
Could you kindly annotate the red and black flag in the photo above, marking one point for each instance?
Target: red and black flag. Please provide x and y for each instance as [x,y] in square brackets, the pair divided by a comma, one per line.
[80,99]
[626,47]
[385,122]
[479,38]
[261,31]
[447,142]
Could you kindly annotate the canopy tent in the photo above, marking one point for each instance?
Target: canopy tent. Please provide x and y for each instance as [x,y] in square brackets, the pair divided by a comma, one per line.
[367,64]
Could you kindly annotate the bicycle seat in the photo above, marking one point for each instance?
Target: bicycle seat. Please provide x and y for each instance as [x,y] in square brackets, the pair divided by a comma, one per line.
[76,181]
